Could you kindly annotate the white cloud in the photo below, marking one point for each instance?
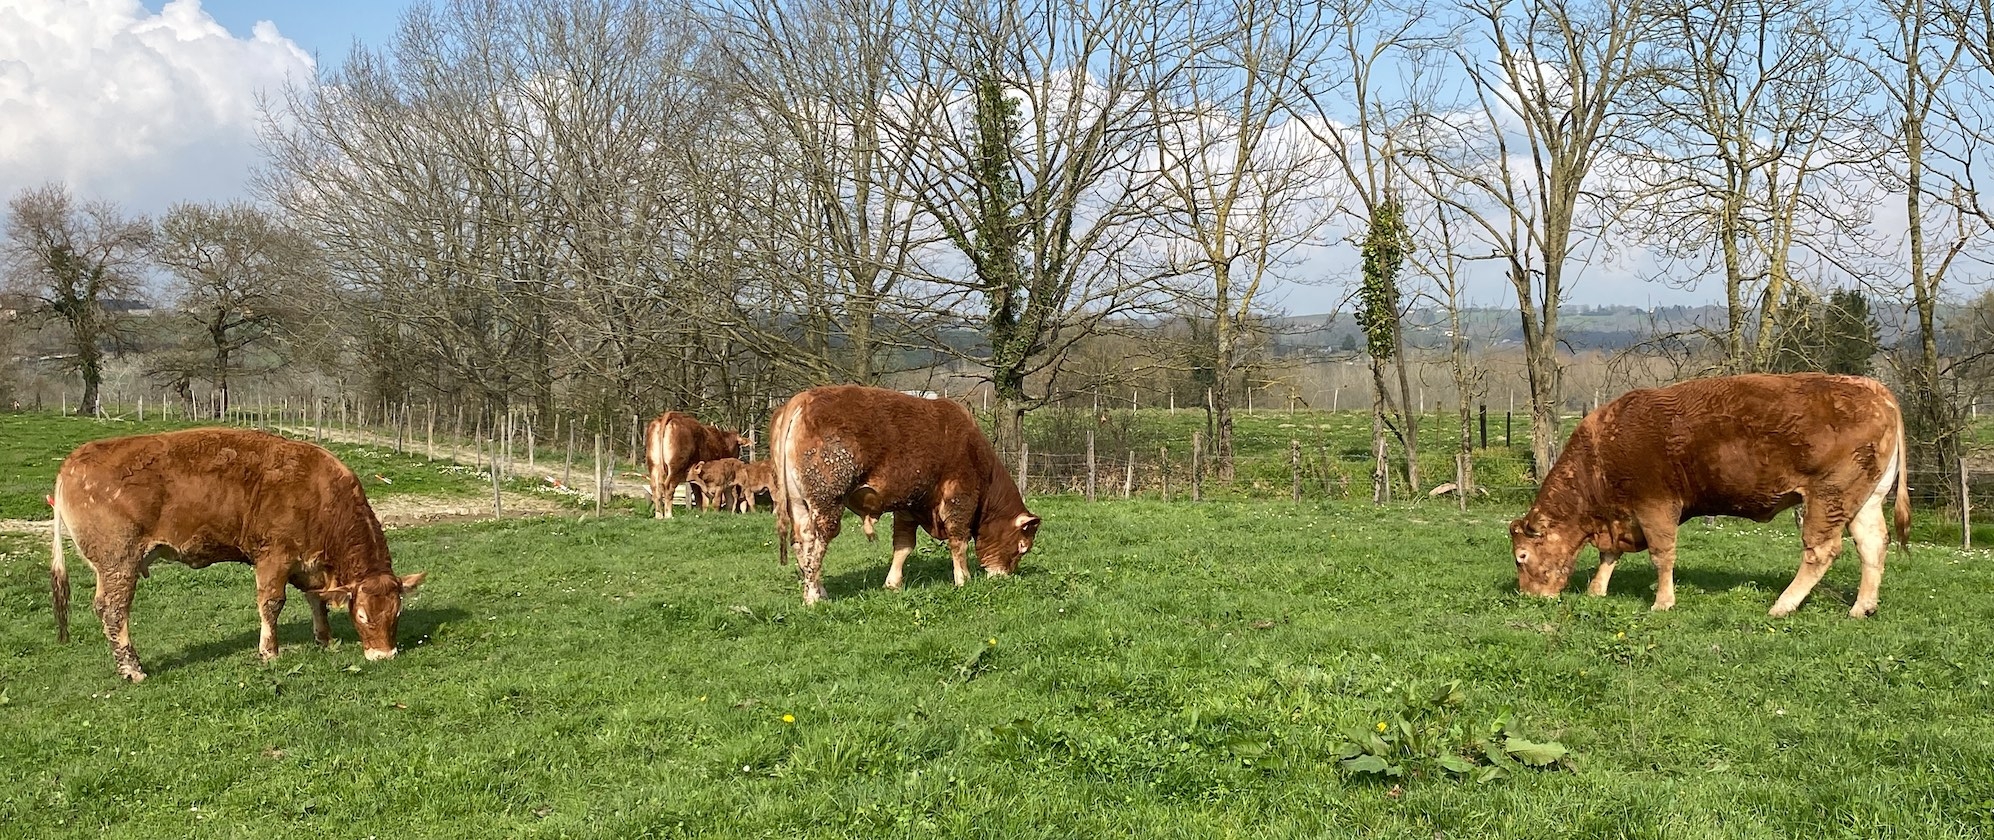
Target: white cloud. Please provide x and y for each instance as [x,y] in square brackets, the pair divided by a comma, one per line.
[139,108]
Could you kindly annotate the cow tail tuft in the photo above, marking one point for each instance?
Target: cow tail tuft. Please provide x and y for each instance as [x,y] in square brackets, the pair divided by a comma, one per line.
[1902,514]
[58,572]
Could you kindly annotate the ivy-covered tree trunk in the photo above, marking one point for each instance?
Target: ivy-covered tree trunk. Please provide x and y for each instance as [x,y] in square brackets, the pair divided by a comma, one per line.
[1378,301]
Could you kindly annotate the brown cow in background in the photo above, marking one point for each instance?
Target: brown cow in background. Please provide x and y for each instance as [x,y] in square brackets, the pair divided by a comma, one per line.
[876,451]
[757,478]
[202,496]
[672,444]
[1748,446]
[718,483]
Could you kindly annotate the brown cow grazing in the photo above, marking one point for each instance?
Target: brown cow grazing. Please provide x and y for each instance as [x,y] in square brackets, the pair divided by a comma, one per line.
[757,478]
[1748,446]
[672,444]
[877,451]
[203,496]
[718,483]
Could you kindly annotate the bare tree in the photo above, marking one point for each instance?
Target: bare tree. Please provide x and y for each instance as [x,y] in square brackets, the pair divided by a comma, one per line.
[233,268]
[1026,121]
[829,226]
[1757,116]
[1360,83]
[1548,97]
[1241,184]
[72,259]
[1913,63]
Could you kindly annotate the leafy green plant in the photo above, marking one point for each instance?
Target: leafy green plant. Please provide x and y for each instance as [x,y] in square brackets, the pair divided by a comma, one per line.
[1425,733]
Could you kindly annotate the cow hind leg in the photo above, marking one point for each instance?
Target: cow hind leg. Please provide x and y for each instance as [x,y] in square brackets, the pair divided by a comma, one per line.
[113,604]
[813,539]
[1600,578]
[1872,538]
[1821,537]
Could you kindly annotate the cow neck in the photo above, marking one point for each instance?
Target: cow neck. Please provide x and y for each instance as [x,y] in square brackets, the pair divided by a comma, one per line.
[1001,505]
[1573,478]
[358,550]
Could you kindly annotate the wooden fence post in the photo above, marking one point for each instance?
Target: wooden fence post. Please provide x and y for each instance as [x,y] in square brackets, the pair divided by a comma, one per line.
[529,444]
[1965,509]
[1197,466]
[1295,461]
[1024,468]
[430,435]
[1128,484]
[636,459]
[568,465]
[598,474]
[498,503]
[1090,464]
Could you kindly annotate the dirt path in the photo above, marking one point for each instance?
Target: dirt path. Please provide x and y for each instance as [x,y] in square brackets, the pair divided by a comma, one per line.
[403,511]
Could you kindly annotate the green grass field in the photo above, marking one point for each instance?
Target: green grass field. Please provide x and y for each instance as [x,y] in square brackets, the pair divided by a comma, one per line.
[1156,670]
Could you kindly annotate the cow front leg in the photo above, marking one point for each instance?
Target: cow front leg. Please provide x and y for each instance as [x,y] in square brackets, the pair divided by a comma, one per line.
[113,605]
[1822,541]
[1662,548]
[1600,577]
[903,545]
[959,554]
[269,604]
[321,623]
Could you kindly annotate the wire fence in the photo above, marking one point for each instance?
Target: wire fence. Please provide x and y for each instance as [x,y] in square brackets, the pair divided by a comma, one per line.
[1949,505]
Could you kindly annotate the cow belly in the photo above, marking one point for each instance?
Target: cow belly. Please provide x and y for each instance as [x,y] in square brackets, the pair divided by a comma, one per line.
[1760,508]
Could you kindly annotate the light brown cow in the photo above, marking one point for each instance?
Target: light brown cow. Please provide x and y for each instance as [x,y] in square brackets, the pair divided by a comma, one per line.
[757,478]
[1748,446]
[672,444]
[718,482]
[876,451]
[204,496]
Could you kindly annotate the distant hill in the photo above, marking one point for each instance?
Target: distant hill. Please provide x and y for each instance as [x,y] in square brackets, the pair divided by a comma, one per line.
[1580,327]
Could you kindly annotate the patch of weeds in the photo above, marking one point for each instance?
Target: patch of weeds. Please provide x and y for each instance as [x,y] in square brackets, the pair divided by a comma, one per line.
[1427,733]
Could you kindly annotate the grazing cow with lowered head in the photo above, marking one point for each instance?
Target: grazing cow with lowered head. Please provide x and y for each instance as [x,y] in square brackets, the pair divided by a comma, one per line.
[672,444]
[204,496]
[718,482]
[876,451]
[1748,446]
[757,478]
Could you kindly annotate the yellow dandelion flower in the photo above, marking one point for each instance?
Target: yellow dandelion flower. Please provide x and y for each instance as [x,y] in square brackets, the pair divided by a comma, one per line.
[993,640]
[1382,727]
[788,718]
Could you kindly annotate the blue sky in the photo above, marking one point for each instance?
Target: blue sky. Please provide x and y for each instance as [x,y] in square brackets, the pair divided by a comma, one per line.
[324,28]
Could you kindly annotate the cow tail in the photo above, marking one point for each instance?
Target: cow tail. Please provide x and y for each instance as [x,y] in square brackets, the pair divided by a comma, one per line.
[58,572]
[1903,506]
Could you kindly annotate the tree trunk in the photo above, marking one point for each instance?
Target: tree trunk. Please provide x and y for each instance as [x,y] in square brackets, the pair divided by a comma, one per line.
[1381,465]
[1223,363]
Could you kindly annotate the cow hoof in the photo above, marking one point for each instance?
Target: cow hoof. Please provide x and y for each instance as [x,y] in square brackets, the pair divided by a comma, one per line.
[1781,610]
[134,675]
[1663,606]
[1861,610]
[266,655]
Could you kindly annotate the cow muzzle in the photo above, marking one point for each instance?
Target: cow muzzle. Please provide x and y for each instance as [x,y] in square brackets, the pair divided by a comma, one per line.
[378,655]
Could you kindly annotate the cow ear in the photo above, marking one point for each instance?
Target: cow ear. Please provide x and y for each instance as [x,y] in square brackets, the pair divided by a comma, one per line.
[1517,528]
[337,597]
[1027,522]
[410,582]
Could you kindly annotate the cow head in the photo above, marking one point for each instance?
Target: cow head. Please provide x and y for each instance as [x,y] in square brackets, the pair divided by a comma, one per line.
[377,608]
[1001,543]
[1545,550]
